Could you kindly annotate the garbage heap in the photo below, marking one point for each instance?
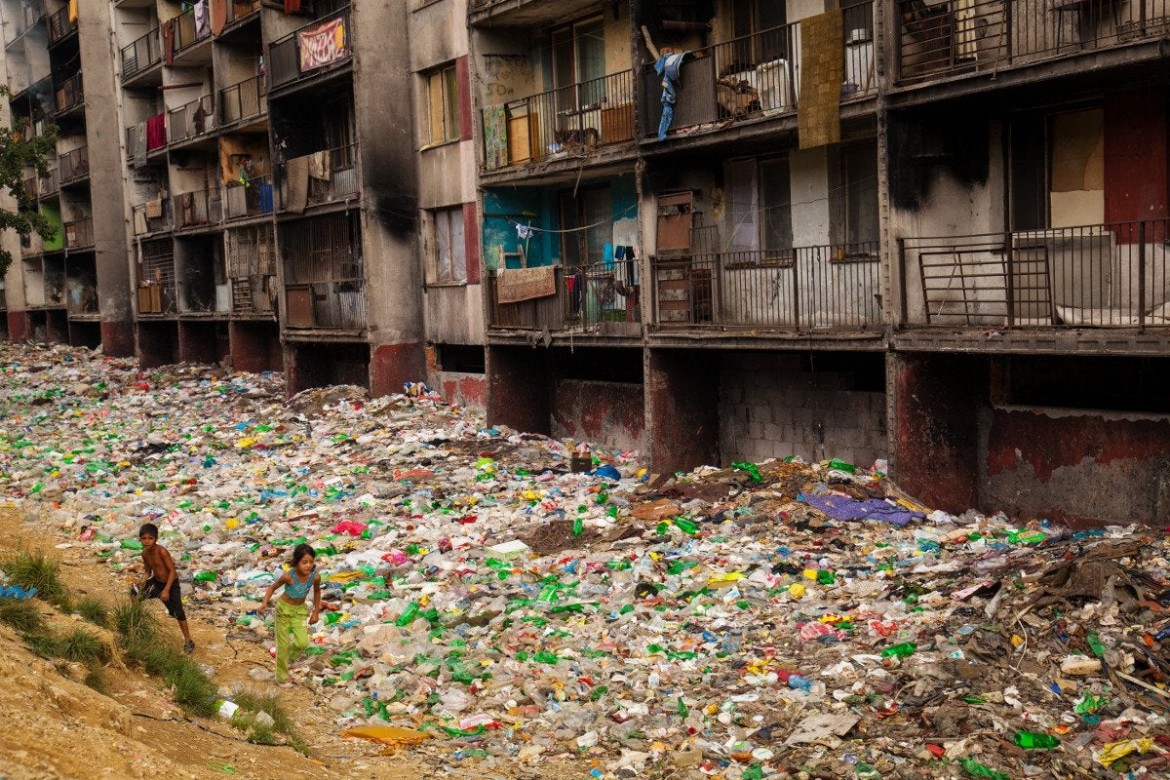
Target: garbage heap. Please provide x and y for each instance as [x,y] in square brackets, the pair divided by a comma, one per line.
[760,620]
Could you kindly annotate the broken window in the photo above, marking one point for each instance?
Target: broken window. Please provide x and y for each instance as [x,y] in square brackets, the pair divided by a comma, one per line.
[759,206]
[587,220]
[448,246]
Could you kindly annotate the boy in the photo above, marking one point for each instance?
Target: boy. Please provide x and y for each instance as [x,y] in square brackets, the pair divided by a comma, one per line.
[162,580]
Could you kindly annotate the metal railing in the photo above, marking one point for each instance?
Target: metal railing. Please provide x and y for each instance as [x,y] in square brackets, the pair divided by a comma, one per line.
[142,54]
[251,269]
[333,304]
[186,33]
[962,36]
[305,51]
[238,10]
[151,217]
[1107,275]
[759,75]
[325,176]
[191,120]
[136,143]
[60,26]
[49,183]
[198,209]
[583,297]
[830,287]
[252,198]
[571,121]
[242,101]
[70,93]
[79,233]
[74,165]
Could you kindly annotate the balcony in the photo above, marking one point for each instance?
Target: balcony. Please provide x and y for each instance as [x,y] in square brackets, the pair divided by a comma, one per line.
[1113,275]
[79,234]
[49,184]
[316,179]
[82,300]
[141,56]
[151,217]
[600,298]
[61,26]
[239,11]
[243,102]
[69,95]
[758,76]
[522,13]
[188,31]
[157,287]
[955,37]
[568,123]
[252,198]
[331,304]
[201,209]
[146,138]
[804,290]
[251,270]
[29,184]
[191,121]
[316,48]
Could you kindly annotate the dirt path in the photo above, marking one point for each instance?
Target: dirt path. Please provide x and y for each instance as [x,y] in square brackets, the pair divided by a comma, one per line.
[55,726]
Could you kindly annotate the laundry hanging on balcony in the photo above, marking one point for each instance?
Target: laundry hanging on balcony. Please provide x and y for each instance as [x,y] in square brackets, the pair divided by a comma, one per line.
[202,20]
[514,285]
[668,67]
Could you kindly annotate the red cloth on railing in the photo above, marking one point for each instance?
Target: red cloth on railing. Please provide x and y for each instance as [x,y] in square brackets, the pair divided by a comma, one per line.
[156,132]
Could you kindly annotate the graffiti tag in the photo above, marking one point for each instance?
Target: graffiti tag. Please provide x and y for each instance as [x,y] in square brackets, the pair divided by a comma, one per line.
[323,45]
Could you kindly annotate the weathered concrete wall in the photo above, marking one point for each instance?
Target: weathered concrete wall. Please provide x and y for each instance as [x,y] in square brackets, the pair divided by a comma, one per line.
[770,408]
[682,410]
[459,388]
[608,414]
[1076,467]
[518,393]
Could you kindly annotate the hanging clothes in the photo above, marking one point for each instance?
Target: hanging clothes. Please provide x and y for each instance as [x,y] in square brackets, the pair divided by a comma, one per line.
[202,20]
[156,132]
[668,67]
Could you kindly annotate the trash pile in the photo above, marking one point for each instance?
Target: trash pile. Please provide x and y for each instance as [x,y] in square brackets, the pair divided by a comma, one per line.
[781,619]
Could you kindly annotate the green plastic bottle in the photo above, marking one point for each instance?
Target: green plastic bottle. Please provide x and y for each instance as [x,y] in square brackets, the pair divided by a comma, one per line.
[1094,640]
[408,615]
[841,465]
[687,525]
[975,769]
[206,576]
[578,526]
[1030,740]
[903,650]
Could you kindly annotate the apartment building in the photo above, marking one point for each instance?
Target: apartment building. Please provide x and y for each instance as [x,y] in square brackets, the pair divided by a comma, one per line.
[927,230]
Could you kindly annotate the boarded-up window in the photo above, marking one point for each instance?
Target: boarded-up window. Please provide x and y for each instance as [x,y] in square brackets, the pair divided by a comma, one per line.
[443,105]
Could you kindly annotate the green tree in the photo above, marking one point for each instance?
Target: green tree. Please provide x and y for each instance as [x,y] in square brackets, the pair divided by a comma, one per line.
[20,149]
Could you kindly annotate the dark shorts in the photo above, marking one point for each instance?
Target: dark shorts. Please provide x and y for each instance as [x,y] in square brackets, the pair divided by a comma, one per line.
[174,603]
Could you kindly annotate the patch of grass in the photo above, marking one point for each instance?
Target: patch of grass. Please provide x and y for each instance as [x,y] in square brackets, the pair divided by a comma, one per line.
[96,678]
[84,647]
[94,611]
[44,645]
[140,637]
[194,691]
[36,570]
[135,623]
[24,616]
[252,702]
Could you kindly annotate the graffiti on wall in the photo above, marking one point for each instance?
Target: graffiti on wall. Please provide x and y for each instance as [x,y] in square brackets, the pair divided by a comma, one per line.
[323,45]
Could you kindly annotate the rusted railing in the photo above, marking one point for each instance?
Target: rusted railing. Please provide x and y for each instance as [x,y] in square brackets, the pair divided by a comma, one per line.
[758,75]
[305,51]
[74,165]
[29,184]
[569,122]
[334,304]
[69,94]
[251,269]
[191,120]
[831,287]
[142,54]
[49,183]
[157,288]
[251,198]
[242,101]
[151,217]
[198,209]
[581,297]
[239,10]
[60,25]
[79,233]
[325,176]
[963,36]
[1108,275]
[186,30]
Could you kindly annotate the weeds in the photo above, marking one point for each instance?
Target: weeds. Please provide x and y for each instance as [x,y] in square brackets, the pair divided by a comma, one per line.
[252,703]
[24,616]
[94,611]
[37,570]
[135,624]
[96,678]
[139,635]
[44,645]
[84,647]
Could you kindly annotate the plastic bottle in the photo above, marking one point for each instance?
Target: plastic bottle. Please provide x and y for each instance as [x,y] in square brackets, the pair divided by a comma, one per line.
[578,526]
[408,615]
[840,465]
[1095,644]
[903,650]
[206,576]
[975,769]
[1030,740]
[686,525]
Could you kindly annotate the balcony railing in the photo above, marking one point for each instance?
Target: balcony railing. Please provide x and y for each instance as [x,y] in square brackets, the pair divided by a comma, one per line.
[252,198]
[758,75]
[141,55]
[242,101]
[578,298]
[30,187]
[962,36]
[239,10]
[69,94]
[192,120]
[568,122]
[817,288]
[79,234]
[321,177]
[151,217]
[187,30]
[1109,275]
[61,26]
[74,165]
[198,209]
[251,269]
[334,304]
[49,183]
[305,52]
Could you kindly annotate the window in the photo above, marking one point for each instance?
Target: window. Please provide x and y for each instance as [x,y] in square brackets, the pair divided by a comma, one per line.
[757,27]
[1057,170]
[759,207]
[859,194]
[443,105]
[449,250]
[578,59]
[588,224]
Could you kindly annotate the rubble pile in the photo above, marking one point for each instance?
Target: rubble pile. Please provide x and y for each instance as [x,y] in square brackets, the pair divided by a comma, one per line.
[782,619]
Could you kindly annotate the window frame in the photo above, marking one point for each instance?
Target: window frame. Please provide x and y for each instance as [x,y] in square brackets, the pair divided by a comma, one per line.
[438,224]
[446,109]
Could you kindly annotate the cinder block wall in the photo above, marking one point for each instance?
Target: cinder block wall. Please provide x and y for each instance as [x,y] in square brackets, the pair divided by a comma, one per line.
[773,406]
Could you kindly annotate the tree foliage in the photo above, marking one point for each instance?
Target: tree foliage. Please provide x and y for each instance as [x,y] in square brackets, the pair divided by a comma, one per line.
[20,150]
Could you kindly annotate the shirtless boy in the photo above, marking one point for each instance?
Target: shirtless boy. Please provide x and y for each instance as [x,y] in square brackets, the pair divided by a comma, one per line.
[162,580]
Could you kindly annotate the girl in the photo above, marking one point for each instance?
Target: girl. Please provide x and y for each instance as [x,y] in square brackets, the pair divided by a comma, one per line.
[291,609]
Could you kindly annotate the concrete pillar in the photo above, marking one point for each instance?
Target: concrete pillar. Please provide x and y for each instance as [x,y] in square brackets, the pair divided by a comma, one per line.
[935,440]
[519,393]
[682,409]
